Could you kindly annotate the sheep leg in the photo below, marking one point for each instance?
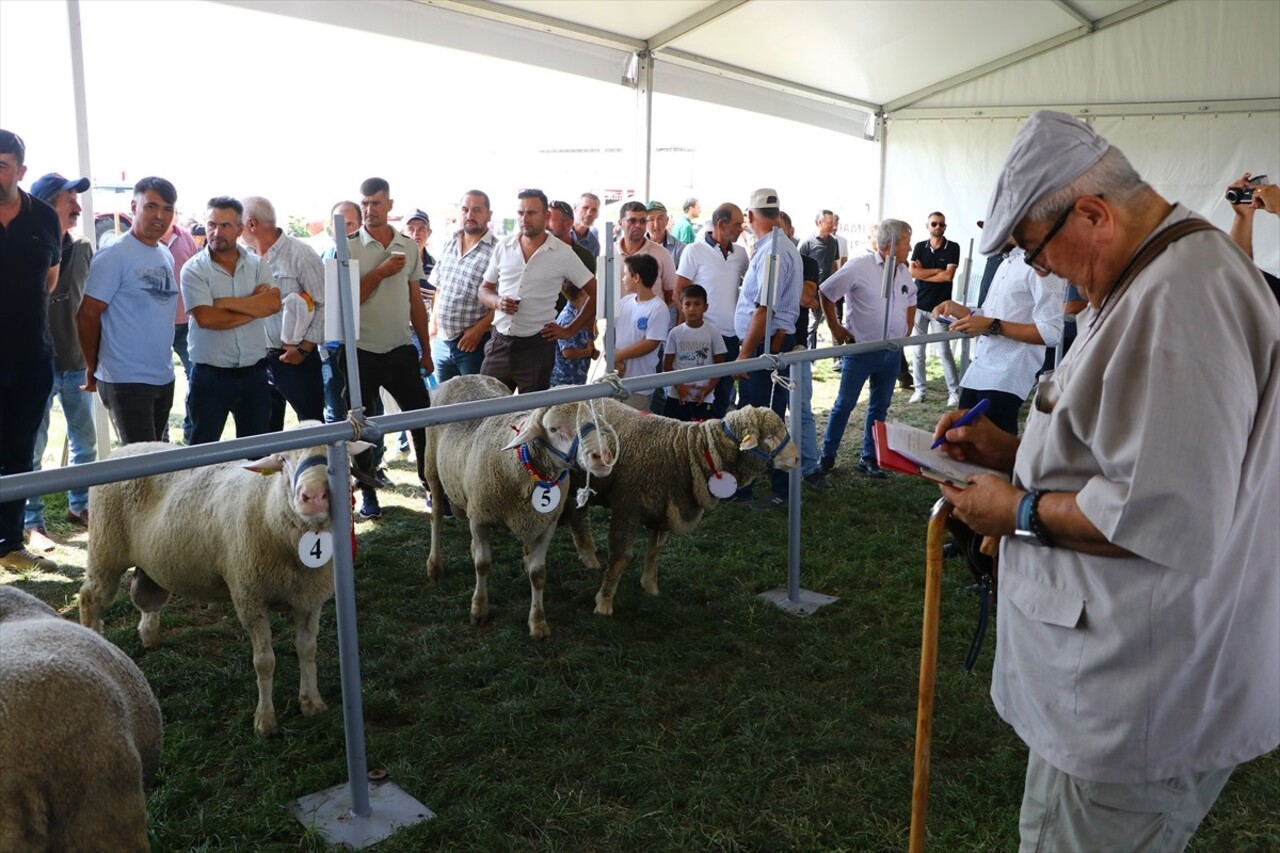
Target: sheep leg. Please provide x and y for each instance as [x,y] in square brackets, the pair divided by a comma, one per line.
[98,590]
[483,558]
[649,579]
[306,627]
[622,537]
[536,565]
[434,564]
[257,622]
[580,526]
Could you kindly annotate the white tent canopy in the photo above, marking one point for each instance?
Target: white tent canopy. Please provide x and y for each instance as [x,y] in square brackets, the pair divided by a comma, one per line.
[1190,89]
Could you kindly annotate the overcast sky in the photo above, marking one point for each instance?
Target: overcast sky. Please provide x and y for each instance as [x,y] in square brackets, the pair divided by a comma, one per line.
[223,100]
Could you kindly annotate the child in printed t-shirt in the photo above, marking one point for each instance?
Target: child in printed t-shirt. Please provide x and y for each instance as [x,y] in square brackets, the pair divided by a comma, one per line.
[642,325]
[693,343]
[573,355]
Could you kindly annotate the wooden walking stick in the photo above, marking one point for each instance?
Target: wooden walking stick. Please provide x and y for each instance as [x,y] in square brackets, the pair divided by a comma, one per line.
[928,672]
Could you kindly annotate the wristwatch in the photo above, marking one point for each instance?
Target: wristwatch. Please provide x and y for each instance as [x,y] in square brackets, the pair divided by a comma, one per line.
[994,328]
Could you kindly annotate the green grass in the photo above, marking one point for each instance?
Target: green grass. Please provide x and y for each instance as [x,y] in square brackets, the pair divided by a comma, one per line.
[700,719]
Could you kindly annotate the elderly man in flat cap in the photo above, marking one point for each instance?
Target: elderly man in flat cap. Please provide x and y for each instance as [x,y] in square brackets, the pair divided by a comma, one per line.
[1139,633]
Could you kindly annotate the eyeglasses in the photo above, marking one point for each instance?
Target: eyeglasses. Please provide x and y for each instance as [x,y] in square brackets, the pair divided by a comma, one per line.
[632,220]
[937,225]
[1030,257]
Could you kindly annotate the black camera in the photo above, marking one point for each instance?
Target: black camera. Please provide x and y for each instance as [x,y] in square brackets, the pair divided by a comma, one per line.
[1244,195]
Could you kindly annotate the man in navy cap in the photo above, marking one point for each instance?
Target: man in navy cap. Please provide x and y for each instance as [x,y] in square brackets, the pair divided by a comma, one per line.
[1139,630]
[62,194]
[30,252]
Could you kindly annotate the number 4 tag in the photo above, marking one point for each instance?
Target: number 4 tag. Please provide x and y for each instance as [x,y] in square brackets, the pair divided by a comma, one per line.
[315,548]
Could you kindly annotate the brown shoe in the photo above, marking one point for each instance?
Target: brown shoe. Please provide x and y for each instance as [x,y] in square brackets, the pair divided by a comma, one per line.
[38,539]
[23,560]
[80,519]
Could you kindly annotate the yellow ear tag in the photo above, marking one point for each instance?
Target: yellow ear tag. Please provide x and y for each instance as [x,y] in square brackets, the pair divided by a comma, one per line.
[748,442]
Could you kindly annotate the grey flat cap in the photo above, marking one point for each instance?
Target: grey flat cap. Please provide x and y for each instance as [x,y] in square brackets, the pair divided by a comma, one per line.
[1051,151]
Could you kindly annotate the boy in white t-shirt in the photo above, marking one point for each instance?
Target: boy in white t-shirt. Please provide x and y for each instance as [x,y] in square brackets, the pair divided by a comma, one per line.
[642,325]
[694,343]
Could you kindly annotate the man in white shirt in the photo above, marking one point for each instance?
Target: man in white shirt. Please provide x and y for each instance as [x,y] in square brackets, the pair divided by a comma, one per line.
[524,277]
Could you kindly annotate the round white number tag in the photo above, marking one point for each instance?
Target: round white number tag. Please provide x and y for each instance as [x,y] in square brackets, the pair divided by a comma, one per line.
[315,548]
[723,484]
[546,499]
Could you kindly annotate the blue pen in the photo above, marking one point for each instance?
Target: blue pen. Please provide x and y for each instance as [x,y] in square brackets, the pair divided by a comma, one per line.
[968,418]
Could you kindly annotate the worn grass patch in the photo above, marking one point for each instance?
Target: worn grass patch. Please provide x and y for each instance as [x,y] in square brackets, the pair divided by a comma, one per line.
[700,719]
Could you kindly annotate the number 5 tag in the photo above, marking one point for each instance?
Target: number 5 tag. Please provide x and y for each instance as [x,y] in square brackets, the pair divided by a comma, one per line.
[545,499]
[315,548]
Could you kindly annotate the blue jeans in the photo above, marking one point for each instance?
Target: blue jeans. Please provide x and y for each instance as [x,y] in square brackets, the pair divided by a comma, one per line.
[77,408]
[724,388]
[241,392]
[24,393]
[299,384]
[781,480]
[881,368]
[450,361]
[758,389]
[180,347]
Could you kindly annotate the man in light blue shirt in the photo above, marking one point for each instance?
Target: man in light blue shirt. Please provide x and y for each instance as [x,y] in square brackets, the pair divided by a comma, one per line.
[757,388]
[228,292]
[125,321]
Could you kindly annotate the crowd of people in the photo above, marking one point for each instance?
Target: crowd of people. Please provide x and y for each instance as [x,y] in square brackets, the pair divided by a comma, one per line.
[1139,633]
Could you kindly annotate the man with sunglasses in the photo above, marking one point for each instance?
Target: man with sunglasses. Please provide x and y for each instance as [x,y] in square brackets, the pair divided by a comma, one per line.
[933,266]
[1022,315]
[1139,632]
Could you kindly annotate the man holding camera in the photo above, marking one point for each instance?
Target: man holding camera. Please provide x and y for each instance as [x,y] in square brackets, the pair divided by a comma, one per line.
[1247,196]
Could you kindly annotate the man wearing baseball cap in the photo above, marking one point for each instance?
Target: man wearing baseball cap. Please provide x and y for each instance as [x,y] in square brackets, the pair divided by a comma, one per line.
[62,194]
[1139,632]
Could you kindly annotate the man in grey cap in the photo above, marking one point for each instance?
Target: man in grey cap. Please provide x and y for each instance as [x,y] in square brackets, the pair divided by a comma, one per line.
[1139,637]
[63,195]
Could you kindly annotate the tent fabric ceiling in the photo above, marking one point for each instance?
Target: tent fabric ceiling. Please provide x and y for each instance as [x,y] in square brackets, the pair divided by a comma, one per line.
[869,51]
[834,63]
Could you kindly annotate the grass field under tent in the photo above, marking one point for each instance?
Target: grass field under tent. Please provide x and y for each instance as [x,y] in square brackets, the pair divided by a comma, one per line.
[702,719]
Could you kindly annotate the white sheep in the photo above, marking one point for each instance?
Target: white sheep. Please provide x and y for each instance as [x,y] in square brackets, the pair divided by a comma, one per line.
[663,479]
[218,533]
[492,479]
[80,735]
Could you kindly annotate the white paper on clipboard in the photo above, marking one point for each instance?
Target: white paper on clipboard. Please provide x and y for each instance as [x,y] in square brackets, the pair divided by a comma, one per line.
[333,314]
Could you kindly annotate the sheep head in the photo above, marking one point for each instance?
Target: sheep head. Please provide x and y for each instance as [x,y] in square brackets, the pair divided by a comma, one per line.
[308,475]
[568,431]
[761,432]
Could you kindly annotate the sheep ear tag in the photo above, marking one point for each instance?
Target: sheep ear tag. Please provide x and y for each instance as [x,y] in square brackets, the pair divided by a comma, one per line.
[722,484]
[315,548]
[545,498]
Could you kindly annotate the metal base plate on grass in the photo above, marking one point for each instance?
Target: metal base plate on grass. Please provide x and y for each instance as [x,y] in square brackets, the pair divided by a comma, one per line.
[329,813]
[807,602]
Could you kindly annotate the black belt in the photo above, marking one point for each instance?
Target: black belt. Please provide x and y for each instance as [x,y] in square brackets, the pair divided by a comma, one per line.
[235,371]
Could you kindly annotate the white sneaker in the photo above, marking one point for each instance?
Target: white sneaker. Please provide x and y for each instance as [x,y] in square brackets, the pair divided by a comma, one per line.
[38,539]
[953,400]
[917,397]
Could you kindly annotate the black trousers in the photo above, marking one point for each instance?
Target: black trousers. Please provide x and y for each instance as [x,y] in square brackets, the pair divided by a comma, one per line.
[397,372]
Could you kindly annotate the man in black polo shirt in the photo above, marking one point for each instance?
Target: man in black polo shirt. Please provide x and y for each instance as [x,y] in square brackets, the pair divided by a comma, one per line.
[933,266]
[30,251]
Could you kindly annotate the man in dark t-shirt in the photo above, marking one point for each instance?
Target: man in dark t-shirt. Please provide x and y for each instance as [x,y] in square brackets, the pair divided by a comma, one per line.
[823,248]
[933,266]
[30,253]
